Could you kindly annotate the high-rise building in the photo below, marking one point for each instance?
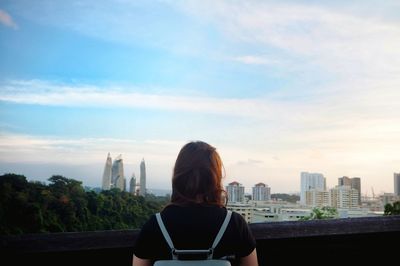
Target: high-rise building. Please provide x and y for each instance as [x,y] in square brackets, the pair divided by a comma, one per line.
[142,191]
[235,192]
[261,192]
[317,198]
[106,184]
[343,197]
[311,181]
[354,182]
[117,174]
[113,176]
[397,184]
[344,181]
[132,185]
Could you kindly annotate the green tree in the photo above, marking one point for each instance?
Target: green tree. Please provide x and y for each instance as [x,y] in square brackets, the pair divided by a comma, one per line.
[285,197]
[392,209]
[63,205]
[322,213]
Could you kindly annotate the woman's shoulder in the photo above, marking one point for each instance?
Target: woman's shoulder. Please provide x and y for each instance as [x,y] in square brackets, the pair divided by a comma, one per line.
[238,217]
[238,223]
[242,235]
[150,224]
[194,215]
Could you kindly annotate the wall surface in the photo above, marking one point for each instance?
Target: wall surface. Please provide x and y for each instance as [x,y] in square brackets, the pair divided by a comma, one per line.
[352,241]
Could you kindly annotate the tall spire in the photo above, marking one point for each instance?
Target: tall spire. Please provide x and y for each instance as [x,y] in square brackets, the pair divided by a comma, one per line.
[132,184]
[117,173]
[142,178]
[106,184]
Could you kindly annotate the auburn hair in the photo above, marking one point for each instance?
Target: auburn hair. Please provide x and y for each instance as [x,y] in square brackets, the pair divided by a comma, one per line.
[197,176]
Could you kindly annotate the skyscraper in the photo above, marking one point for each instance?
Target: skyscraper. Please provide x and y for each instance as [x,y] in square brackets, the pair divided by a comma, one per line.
[354,182]
[142,191]
[132,185]
[343,197]
[113,176]
[344,181]
[311,181]
[317,198]
[261,192]
[106,184]
[235,192]
[397,184]
[117,174]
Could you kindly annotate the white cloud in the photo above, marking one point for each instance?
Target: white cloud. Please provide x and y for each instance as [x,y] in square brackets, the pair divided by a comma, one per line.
[49,149]
[332,115]
[368,150]
[7,20]
[53,94]
[73,150]
[84,158]
[348,126]
[255,60]
[343,42]
[152,24]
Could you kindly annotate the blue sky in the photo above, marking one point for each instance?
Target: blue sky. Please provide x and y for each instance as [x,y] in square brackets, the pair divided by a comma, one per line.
[279,87]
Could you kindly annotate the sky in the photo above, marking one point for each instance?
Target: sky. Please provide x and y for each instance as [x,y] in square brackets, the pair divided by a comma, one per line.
[278,87]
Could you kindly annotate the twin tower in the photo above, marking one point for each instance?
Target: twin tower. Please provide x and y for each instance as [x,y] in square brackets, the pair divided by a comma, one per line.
[113,177]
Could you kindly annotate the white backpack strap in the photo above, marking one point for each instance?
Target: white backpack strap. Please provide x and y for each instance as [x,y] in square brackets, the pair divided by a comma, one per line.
[166,235]
[221,232]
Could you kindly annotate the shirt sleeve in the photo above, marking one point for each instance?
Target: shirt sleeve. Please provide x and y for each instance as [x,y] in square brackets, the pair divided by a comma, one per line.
[246,243]
[149,244]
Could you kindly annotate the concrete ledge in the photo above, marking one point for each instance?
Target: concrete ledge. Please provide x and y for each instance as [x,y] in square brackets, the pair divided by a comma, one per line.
[278,243]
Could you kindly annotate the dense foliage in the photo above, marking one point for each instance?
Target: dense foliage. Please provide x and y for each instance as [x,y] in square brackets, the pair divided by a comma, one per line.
[64,206]
[392,209]
[285,197]
[322,213]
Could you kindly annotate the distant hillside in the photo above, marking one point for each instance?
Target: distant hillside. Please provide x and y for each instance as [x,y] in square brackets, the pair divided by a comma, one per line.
[63,205]
[285,197]
[159,192]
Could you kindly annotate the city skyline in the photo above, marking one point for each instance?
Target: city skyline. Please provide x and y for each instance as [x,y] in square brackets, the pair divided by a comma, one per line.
[278,87]
[369,191]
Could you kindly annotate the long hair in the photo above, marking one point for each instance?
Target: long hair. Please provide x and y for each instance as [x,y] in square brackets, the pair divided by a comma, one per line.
[197,176]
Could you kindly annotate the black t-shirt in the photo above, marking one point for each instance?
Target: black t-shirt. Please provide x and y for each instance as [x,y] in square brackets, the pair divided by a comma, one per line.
[194,227]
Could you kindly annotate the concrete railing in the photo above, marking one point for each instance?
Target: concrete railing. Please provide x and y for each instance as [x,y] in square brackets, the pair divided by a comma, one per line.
[351,241]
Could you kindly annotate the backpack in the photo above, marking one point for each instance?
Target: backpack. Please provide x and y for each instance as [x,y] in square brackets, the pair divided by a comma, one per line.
[209,252]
